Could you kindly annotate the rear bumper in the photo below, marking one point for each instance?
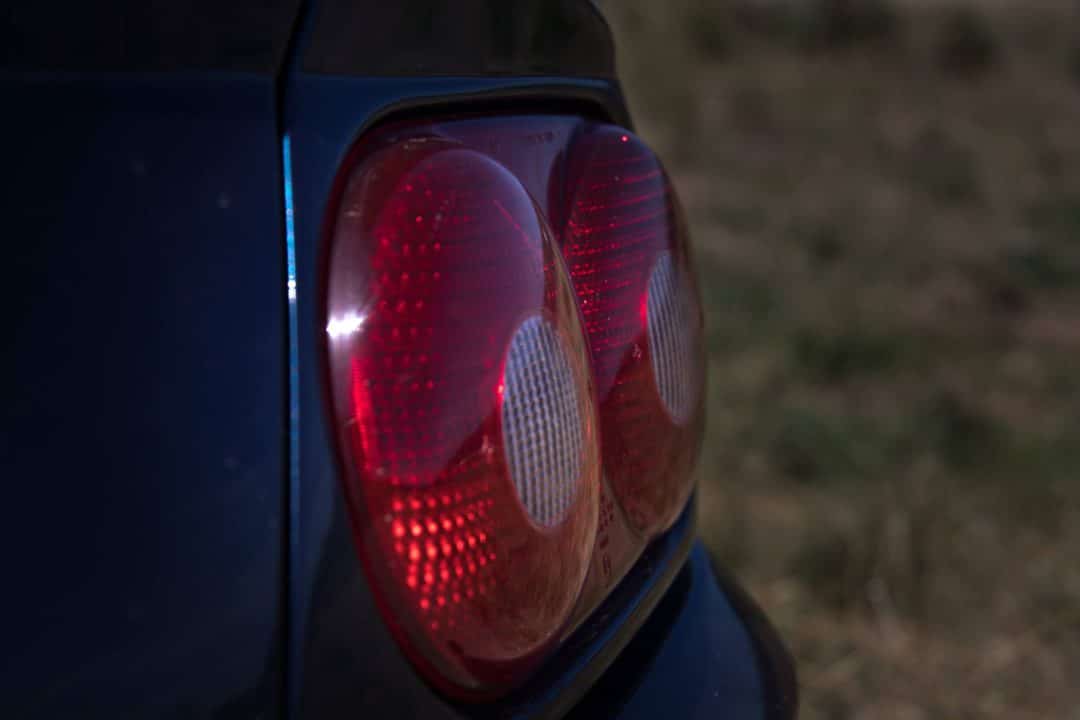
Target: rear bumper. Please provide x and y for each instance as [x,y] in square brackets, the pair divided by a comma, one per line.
[706,651]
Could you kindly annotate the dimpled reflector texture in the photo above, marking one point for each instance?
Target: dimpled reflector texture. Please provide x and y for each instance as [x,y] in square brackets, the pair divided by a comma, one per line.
[541,422]
[670,315]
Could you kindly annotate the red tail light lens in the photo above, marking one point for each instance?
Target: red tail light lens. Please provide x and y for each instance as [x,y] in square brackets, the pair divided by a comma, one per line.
[626,248]
[507,462]
[461,384]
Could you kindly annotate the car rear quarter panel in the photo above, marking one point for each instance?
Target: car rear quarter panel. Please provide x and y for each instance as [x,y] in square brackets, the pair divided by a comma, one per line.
[144,384]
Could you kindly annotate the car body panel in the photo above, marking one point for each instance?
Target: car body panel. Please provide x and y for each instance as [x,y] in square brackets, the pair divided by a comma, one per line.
[144,405]
[693,659]
[429,38]
[239,36]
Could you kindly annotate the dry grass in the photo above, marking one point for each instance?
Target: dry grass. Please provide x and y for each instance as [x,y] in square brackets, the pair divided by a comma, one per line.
[885,197]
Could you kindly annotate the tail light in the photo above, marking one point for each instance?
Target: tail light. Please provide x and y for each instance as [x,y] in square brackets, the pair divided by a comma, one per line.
[626,250]
[513,336]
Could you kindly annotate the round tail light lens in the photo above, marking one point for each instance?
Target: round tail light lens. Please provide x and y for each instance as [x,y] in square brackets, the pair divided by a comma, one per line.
[626,249]
[465,405]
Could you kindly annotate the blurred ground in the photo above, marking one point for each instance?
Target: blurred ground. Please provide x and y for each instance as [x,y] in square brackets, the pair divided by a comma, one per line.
[885,199]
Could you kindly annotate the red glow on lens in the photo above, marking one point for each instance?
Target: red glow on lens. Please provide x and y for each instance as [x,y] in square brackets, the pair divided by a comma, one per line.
[443,254]
[441,267]
[622,220]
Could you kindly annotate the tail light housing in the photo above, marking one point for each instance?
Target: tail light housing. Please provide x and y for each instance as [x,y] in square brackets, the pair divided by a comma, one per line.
[513,337]
[625,245]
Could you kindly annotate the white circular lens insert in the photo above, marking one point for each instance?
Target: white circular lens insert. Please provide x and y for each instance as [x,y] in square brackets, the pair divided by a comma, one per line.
[541,421]
[671,326]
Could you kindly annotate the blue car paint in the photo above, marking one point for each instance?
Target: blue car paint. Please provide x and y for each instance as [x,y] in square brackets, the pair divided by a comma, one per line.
[143,413]
[689,661]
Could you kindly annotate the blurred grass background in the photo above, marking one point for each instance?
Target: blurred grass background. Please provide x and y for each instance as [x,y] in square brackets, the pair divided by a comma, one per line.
[885,203]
